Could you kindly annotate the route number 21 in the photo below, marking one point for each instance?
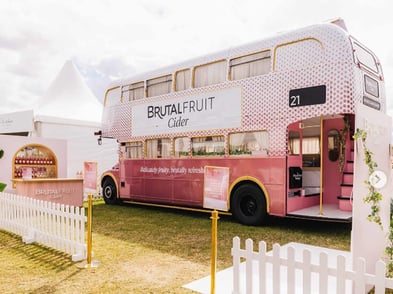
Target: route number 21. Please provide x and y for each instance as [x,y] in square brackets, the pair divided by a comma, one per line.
[294,101]
[307,96]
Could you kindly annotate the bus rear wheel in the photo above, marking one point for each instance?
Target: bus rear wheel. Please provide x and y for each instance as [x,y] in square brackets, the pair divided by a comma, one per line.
[109,192]
[248,205]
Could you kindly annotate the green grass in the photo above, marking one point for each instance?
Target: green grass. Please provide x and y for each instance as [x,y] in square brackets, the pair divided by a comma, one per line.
[148,250]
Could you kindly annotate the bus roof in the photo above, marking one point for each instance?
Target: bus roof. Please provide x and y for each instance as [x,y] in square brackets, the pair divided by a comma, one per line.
[336,27]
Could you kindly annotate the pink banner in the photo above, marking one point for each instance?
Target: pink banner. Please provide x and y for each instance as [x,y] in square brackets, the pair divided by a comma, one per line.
[90,176]
[216,183]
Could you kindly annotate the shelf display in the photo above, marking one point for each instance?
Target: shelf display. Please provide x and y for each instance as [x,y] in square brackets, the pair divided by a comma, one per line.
[34,162]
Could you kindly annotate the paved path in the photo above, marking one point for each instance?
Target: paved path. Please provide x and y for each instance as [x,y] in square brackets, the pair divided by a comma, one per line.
[224,278]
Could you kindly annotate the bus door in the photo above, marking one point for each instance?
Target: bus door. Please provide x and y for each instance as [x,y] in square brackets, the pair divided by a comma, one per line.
[294,168]
[314,153]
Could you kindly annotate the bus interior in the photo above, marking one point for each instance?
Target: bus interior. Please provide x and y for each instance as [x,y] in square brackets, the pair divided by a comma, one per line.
[320,168]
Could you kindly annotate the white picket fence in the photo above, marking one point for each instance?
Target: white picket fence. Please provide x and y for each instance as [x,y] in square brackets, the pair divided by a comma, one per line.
[55,225]
[291,269]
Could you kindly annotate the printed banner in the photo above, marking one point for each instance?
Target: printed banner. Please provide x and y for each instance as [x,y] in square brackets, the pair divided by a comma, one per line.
[90,176]
[17,122]
[216,184]
[208,111]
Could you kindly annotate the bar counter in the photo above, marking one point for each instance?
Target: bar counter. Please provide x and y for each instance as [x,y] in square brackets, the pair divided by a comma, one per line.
[65,191]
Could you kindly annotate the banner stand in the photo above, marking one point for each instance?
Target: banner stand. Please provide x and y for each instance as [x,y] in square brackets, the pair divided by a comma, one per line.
[215,196]
[89,263]
[213,268]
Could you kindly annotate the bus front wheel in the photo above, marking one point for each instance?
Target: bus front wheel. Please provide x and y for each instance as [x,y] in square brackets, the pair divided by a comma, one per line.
[248,205]
[109,192]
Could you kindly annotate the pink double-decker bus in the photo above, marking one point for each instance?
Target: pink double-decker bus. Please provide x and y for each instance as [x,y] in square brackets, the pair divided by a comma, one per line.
[279,113]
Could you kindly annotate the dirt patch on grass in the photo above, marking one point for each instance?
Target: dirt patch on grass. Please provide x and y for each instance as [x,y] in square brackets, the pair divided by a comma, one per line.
[130,269]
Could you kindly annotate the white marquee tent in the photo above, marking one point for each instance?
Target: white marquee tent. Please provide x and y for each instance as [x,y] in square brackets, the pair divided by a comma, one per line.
[68,97]
[69,111]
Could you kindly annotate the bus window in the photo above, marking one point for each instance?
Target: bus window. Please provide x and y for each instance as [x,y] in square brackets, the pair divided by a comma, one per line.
[134,150]
[208,146]
[113,97]
[182,147]
[210,74]
[247,143]
[182,80]
[299,54]
[159,86]
[365,58]
[294,143]
[311,151]
[158,148]
[310,145]
[371,86]
[133,91]
[250,65]
[333,145]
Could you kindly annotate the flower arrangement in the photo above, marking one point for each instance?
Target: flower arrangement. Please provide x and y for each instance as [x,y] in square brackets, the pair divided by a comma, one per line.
[342,140]
[374,198]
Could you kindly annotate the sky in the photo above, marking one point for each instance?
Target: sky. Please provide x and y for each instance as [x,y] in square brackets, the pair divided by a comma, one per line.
[111,39]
